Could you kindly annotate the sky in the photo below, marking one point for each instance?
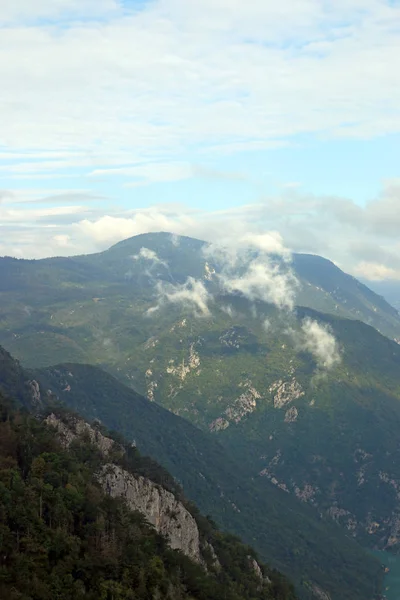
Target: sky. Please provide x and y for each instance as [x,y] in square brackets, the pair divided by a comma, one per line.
[202,118]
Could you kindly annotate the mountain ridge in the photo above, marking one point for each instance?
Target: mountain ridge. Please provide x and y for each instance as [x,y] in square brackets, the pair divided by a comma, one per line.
[305,401]
[292,538]
[348,298]
[68,532]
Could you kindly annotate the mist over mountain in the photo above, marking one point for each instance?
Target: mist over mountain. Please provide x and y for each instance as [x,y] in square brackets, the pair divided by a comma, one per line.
[199,300]
[282,366]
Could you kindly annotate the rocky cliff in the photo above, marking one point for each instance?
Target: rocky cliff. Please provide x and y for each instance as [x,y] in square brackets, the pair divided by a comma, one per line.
[168,516]
[74,428]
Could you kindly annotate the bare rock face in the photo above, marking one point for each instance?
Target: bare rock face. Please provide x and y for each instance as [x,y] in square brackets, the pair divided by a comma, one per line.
[291,415]
[320,593]
[185,367]
[168,516]
[246,403]
[255,567]
[76,428]
[285,392]
[219,424]
[35,392]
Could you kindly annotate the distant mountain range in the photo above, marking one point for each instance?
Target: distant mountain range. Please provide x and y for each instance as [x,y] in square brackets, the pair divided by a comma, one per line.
[286,373]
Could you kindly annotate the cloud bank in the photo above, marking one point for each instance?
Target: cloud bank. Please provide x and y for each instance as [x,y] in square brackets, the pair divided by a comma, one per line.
[362,240]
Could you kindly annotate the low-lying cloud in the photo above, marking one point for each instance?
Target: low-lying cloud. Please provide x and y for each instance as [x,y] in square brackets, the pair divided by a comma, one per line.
[152,260]
[264,281]
[335,228]
[270,242]
[149,255]
[258,266]
[192,295]
[321,343]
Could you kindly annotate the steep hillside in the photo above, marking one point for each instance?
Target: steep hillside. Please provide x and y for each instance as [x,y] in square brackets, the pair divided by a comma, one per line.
[17,383]
[91,308]
[311,403]
[289,536]
[68,533]
[390,290]
[328,289]
[306,404]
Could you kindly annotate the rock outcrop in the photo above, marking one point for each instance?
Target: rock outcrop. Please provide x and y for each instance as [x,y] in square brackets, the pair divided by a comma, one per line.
[284,392]
[320,593]
[75,428]
[35,393]
[169,517]
[245,404]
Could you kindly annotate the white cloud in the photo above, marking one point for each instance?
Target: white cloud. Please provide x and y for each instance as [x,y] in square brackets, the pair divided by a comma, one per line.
[192,295]
[17,10]
[110,229]
[264,281]
[147,254]
[321,343]
[151,257]
[248,262]
[270,242]
[12,215]
[150,173]
[362,240]
[375,272]
[266,325]
[228,309]
[63,241]
[175,240]
[123,88]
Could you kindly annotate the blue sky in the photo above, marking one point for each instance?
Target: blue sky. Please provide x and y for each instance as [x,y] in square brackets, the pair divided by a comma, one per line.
[354,169]
[117,117]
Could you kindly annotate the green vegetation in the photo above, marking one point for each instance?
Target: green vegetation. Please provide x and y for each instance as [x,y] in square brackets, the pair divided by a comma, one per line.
[328,450]
[327,289]
[287,534]
[90,308]
[63,537]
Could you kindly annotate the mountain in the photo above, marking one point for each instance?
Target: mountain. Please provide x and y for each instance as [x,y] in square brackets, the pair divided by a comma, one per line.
[80,521]
[90,308]
[390,290]
[328,289]
[288,535]
[303,405]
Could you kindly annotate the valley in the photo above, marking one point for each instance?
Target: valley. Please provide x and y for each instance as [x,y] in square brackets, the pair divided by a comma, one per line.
[274,366]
